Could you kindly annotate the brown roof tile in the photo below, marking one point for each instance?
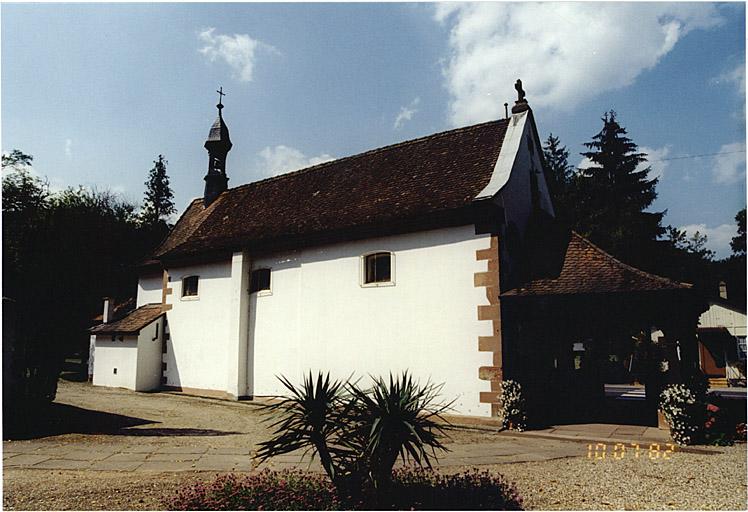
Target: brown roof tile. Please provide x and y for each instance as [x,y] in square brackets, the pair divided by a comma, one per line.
[132,323]
[421,177]
[587,269]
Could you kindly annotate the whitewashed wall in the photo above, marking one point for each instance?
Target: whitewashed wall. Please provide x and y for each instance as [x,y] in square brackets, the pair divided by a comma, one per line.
[317,315]
[149,356]
[122,355]
[196,354]
[720,316]
[149,289]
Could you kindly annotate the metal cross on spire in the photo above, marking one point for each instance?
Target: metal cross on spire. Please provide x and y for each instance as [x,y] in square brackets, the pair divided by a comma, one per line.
[221,94]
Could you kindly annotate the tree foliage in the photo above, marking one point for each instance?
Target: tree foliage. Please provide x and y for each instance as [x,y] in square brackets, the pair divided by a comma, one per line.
[560,178]
[63,252]
[614,194]
[158,202]
[737,244]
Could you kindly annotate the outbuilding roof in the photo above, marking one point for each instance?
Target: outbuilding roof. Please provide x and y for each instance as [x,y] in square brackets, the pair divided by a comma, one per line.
[587,269]
[420,178]
[133,322]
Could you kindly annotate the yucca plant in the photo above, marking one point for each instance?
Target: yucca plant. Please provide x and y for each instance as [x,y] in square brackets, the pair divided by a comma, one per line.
[308,418]
[399,418]
[357,433]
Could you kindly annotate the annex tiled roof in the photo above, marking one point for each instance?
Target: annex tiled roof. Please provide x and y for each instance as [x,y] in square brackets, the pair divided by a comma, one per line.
[119,310]
[587,269]
[438,173]
[132,323]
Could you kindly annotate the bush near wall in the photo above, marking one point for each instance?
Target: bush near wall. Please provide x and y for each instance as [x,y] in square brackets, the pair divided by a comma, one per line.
[411,489]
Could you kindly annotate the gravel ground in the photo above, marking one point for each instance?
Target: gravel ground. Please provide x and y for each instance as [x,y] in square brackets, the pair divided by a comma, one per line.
[686,481]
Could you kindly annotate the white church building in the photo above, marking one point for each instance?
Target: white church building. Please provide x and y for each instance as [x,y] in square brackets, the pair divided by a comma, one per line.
[389,260]
[370,264]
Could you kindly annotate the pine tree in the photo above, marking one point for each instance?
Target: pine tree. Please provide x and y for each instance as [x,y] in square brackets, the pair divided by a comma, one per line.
[614,195]
[737,244]
[159,197]
[559,177]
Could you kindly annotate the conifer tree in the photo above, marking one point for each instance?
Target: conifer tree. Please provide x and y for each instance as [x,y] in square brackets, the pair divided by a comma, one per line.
[737,244]
[159,197]
[614,195]
[559,177]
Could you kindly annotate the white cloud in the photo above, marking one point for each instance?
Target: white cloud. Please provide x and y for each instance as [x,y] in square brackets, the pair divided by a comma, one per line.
[717,238]
[564,52]
[730,166]
[406,114]
[68,148]
[735,76]
[655,158]
[238,51]
[281,159]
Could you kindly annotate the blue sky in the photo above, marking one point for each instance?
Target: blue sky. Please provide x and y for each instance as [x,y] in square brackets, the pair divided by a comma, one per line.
[96,91]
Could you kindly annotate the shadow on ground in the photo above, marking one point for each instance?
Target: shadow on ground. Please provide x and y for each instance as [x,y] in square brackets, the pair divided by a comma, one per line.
[173,432]
[58,419]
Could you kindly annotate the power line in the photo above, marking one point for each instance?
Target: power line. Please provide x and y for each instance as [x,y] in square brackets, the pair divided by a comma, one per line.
[696,156]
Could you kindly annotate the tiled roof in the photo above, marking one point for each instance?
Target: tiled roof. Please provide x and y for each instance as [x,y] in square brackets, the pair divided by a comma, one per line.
[133,322]
[587,269]
[119,310]
[419,178]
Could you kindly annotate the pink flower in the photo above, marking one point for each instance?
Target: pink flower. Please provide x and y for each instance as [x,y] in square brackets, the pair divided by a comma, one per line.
[712,408]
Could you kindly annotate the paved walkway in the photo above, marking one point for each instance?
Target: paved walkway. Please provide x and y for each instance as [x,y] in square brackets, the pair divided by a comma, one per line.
[44,455]
[512,447]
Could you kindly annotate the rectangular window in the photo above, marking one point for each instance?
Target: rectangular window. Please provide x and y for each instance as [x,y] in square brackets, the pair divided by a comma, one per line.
[260,280]
[189,286]
[741,347]
[378,268]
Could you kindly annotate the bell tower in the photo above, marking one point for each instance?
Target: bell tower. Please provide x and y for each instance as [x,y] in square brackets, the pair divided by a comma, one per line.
[218,146]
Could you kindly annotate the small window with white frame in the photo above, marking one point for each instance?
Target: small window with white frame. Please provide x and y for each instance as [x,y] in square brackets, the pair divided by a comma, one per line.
[260,281]
[377,269]
[189,287]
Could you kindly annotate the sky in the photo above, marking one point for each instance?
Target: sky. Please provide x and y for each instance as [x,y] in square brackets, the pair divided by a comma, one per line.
[95,92]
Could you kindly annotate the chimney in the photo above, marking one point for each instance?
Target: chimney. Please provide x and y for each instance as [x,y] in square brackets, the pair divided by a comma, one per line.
[106,317]
[723,290]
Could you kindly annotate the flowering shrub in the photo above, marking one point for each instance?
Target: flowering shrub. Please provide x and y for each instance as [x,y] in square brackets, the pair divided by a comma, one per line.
[512,408]
[683,413]
[427,489]
[267,490]
[411,489]
[740,432]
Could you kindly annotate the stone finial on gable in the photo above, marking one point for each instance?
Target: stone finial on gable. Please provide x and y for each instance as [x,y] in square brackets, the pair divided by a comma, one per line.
[521,104]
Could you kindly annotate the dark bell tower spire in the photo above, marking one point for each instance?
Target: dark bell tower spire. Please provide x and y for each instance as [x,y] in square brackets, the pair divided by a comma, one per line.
[218,146]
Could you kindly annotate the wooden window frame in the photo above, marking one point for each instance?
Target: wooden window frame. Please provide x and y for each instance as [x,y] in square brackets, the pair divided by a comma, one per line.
[265,291]
[362,271]
[196,296]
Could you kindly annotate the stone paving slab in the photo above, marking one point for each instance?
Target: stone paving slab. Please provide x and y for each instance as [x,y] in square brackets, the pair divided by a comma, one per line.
[63,464]
[26,459]
[174,457]
[128,457]
[140,449]
[230,451]
[84,454]
[116,465]
[183,449]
